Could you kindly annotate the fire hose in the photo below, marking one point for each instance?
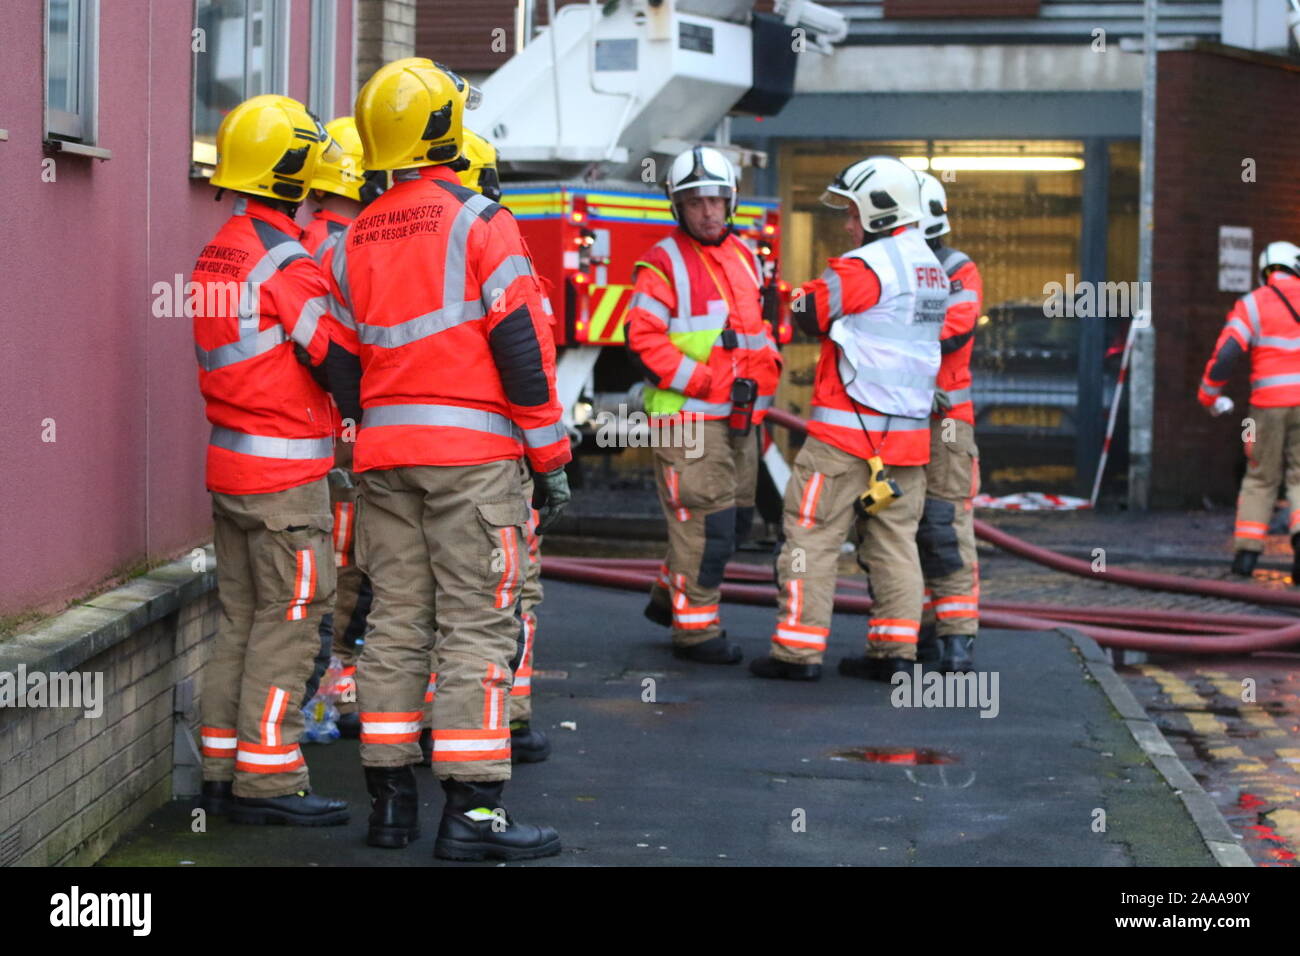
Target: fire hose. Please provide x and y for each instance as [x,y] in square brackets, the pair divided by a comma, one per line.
[1123,627]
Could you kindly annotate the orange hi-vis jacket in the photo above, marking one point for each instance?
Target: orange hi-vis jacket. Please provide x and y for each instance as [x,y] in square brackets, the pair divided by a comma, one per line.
[1260,323]
[262,294]
[957,340]
[686,296]
[452,330]
[850,286]
[325,226]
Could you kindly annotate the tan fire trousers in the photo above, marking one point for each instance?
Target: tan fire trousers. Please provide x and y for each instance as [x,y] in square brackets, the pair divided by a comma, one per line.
[275,581]
[946,539]
[352,600]
[707,488]
[1273,454]
[521,689]
[444,548]
[824,483]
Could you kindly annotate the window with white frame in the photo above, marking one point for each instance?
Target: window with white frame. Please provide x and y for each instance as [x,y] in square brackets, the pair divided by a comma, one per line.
[324,37]
[240,50]
[71,70]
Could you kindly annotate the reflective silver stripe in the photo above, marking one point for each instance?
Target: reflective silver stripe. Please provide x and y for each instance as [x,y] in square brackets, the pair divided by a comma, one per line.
[546,435]
[265,446]
[283,251]
[246,348]
[698,323]
[835,291]
[957,298]
[685,369]
[328,243]
[440,416]
[901,333]
[342,313]
[706,408]
[959,395]
[546,306]
[1252,313]
[511,268]
[952,260]
[304,330]
[878,423]
[892,377]
[1240,327]
[896,260]
[764,401]
[1279,342]
[1270,380]
[1211,389]
[650,304]
[420,327]
[681,279]
[756,343]
[453,272]
[339,266]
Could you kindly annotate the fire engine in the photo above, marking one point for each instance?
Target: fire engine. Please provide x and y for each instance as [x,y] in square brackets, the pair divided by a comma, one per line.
[585,117]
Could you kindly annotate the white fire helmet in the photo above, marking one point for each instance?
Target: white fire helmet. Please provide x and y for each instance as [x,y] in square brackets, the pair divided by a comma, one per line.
[934,207]
[1283,254]
[885,190]
[701,171]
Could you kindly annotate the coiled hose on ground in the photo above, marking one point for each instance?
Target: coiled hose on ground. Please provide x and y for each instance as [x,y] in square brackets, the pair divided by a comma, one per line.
[1128,628]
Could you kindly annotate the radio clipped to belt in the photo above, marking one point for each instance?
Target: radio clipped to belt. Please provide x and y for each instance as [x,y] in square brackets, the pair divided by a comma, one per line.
[744,393]
[882,491]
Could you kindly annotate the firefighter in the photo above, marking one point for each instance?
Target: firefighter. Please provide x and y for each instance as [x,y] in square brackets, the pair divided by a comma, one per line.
[336,188]
[695,328]
[1265,323]
[457,378]
[270,449]
[946,539]
[477,169]
[879,310]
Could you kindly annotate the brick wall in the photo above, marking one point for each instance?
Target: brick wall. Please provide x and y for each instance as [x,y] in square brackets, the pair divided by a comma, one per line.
[71,785]
[385,32]
[1216,108]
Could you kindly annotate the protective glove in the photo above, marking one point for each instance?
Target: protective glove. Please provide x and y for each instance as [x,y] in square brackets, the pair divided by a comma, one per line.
[942,403]
[550,498]
[1222,406]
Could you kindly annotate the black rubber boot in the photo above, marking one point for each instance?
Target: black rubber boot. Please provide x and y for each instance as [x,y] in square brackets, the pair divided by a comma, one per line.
[716,650]
[777,669]
[394,806]
[929,649]
[957,651]
[426,748]
[875,668]
[527,745]
[475,826]
[349,726]
[301,809]
[1243,563]
[216,797]
[660,612]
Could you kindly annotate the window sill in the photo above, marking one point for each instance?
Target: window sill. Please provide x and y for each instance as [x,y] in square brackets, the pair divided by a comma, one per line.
[78,149]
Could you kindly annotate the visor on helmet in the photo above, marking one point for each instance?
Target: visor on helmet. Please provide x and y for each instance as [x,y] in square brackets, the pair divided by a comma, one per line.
[835,199]
[704,189]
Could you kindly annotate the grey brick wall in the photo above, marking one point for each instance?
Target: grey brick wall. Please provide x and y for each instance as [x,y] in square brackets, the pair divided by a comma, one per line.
[71,785]
[385,32]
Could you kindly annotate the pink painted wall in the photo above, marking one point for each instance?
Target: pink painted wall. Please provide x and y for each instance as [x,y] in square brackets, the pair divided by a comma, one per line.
[79,257]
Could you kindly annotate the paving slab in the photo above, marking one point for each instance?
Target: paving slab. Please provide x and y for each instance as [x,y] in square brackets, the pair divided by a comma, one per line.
[660,762]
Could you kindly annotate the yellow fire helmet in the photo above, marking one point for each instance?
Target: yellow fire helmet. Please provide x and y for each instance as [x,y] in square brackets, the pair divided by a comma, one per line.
[344,176]
[480,172]
[410,113]
[270,146]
